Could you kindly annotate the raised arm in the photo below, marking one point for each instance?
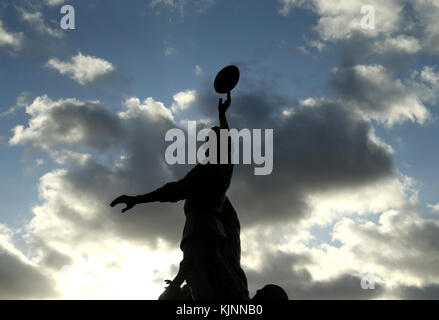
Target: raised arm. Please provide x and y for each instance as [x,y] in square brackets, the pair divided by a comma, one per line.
[222,108]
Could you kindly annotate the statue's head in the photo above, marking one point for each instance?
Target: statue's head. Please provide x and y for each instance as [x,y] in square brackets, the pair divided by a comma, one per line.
[270,292]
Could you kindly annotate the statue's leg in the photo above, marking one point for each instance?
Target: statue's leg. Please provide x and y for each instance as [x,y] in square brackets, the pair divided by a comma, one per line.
[197,253]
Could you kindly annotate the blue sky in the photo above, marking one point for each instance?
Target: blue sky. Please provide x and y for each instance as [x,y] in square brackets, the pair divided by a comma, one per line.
[381,86]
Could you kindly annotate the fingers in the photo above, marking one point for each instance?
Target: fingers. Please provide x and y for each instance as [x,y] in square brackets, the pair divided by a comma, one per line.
[129,206]
[117,201]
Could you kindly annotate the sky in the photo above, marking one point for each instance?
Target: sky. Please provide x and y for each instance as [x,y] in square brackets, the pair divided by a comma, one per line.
[84,113]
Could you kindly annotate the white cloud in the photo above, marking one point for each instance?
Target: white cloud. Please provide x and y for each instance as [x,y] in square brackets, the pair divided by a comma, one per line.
[400,248]
[169,51]
[198,70]
[326,207]
[183,100]
[71,226]
[303,50]
[82,68]
[13,39]
[66,123]
[182,5]
[379,96]
[54,2]
[172,4]
[149,107]
[434,207]
[339,19]
[319,45]
[22,101]
[401,43]
[430,75]
[36,21]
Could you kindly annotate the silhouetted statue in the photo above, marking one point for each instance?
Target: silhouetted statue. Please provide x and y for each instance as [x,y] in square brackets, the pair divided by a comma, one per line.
[228,278]
[210,242]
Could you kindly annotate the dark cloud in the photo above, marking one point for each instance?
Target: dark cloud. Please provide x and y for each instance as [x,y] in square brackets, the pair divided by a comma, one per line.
[428,292]
[288,271]
[68,124]
[326,146]
[20,280]
[55,259]
[412,241]
[64,126]
[322,147]
[374,90]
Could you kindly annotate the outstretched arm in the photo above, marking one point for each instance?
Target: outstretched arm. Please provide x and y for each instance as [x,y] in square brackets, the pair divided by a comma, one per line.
[170,192]
[222,108]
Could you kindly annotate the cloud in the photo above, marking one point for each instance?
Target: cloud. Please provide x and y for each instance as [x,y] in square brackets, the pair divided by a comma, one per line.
[183,100]
[22,101]
[13,39]
[401,43]
[19,277]
[430,292]
[82,68]
[430,75]
[182,5]
[66,124]
[84,136]
[170,51]
[426,12]
[373,90]
[399,249]
[328,164]
[339,19]
[288,261]
[74,214]
[198,70]
[73,133]
[36,21]
[172,4]
[434,207]
[400,26]
[54,2]
[366,166]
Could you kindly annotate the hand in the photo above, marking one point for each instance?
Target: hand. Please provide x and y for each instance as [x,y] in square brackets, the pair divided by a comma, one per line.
[222,107]
[130,202]
[172,292]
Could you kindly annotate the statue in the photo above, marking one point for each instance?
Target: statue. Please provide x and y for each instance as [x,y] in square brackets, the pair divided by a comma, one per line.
[211,236]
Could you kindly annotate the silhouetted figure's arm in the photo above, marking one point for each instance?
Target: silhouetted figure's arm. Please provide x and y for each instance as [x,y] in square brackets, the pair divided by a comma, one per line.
[222,108]
[170,192]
